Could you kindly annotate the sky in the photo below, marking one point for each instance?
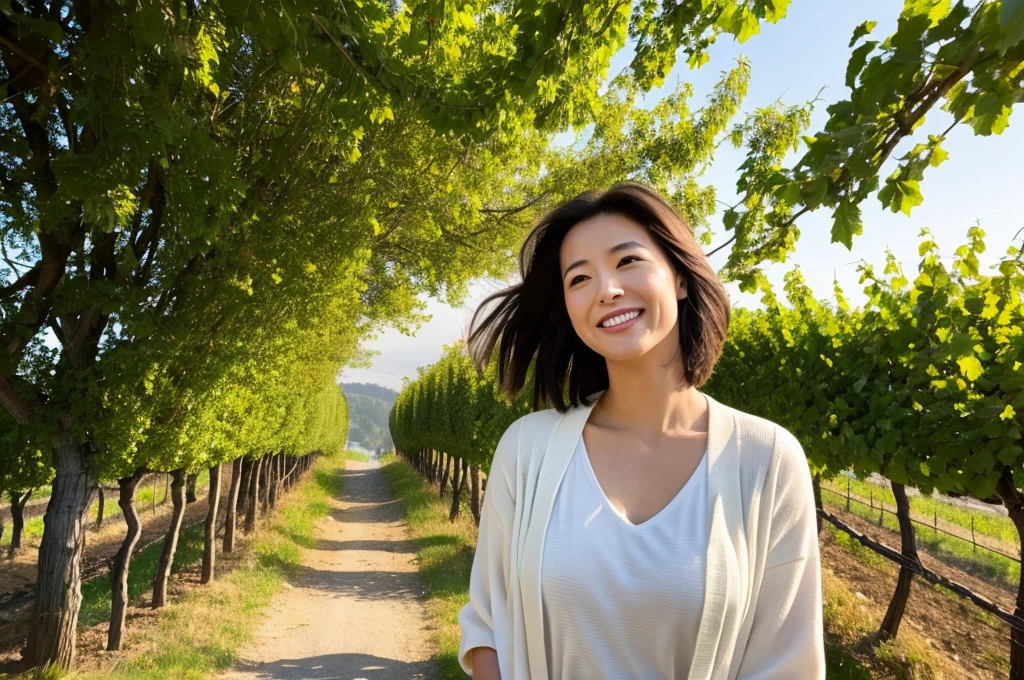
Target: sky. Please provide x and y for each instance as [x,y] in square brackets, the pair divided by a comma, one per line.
[982,182]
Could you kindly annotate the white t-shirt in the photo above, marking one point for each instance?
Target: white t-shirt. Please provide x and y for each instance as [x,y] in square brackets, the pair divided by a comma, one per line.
[622,600]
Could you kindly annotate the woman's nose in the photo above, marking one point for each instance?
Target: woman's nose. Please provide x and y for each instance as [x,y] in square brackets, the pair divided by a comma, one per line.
[610,289]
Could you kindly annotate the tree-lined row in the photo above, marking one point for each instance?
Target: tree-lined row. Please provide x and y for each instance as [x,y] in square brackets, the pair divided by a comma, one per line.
[923,385]
[448,421]
[275,451]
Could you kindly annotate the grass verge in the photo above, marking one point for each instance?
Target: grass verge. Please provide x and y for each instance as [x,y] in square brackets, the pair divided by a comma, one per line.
[200,634]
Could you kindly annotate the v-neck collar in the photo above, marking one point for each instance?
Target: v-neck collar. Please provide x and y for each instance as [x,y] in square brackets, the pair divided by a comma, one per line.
[658,517]
[722,569]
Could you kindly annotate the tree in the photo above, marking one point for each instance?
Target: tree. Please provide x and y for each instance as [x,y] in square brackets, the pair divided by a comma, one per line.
[961,57]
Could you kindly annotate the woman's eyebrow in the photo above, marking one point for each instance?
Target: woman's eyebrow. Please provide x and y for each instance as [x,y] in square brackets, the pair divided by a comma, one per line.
[614,249]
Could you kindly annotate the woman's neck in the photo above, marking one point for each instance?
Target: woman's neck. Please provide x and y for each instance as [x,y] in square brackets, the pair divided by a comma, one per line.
[645,398]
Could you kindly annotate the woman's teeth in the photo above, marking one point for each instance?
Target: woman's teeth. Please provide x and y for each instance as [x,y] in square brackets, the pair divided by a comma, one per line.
[621,318]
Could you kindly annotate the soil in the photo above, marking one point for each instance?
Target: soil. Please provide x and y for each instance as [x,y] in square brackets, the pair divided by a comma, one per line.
[354,609]
[952,626]
[102,544]
[20,573]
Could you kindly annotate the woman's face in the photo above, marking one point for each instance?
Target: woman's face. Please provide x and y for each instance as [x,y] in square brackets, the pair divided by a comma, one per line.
[620,289]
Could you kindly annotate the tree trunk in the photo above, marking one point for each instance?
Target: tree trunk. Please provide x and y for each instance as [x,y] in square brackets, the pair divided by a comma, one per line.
[275,465]
[458,486]
[816,486]
[268,474]
[243,497]
[58,595]
[443,490]
[18,501]
[190,487]
[163,569]
[122,560]
[474,494]
[99,507]
[252,499]
[210,538]
[898,604]
[229,519]
[1013,499]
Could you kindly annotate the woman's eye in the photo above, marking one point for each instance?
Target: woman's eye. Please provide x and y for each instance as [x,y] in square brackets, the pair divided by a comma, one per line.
[576,279]
[629,257]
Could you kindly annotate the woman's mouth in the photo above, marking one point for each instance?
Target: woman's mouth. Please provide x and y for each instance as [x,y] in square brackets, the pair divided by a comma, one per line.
[619,323]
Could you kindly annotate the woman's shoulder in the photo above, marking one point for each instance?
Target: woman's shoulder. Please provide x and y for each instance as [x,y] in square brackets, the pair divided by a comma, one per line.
[764,439]
[519,437]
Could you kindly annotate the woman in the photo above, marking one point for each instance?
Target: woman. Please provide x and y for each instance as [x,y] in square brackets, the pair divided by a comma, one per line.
[638,529]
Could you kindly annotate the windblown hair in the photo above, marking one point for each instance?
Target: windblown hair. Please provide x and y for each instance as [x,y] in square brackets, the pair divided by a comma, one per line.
[531,319]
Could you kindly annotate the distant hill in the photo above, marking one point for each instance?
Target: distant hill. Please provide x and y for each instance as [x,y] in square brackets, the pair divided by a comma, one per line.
[380,392]
[368,409]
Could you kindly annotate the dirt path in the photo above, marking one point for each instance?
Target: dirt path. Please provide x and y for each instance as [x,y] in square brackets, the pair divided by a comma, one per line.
[352,611]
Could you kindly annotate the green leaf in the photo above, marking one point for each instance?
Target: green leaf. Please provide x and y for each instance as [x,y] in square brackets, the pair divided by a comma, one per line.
[50,30]
[897,473]
[288,61]
[991,114]
[740,21]
[857,61]
[970,367]
[847,224]
[901,195]
[1011,20]
[1009,454]
[148,27]
[862,31]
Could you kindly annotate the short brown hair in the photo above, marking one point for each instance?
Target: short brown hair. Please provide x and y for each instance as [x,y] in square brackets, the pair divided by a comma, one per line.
[531,318]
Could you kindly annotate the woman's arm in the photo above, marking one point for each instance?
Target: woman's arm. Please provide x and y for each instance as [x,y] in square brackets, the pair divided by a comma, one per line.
[486,620]
[786,638]
[485,664]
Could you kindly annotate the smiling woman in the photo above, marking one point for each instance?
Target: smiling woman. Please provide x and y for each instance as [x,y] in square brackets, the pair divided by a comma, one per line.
[610,253]
[643,529]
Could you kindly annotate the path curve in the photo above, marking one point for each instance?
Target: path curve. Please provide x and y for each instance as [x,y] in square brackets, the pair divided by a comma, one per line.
[352,611]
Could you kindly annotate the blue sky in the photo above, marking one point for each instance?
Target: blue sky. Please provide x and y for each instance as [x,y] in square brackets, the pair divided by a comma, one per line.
[980,183]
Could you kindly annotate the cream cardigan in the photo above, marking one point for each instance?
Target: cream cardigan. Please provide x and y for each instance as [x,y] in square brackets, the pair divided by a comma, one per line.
[762,607]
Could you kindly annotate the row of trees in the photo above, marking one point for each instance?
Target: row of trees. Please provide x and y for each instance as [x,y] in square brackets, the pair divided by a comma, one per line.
[923,385]
[205,207]
[448,421]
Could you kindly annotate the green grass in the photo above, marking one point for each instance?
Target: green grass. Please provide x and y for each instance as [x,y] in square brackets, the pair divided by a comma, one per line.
[445,558]
[96,593]
[200,635]
[985,524]
[357,455]
[980,561]
[840,666]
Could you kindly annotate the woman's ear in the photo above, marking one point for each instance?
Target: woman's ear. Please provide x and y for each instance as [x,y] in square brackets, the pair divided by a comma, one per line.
[681,290]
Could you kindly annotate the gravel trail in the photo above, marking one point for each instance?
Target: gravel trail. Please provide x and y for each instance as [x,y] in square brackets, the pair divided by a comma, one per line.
[352,612]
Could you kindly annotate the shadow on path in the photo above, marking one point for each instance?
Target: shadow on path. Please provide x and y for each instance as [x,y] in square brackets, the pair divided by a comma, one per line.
[341,667]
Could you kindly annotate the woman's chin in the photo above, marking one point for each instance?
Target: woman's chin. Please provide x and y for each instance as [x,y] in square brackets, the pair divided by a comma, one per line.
[625,353]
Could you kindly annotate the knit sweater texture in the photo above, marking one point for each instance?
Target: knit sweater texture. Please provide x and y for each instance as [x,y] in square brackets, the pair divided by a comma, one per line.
[762,616]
